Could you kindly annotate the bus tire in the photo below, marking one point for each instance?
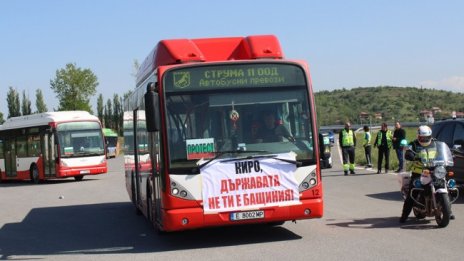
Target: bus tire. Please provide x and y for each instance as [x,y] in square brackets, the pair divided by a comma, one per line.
[79,178]
[34,172]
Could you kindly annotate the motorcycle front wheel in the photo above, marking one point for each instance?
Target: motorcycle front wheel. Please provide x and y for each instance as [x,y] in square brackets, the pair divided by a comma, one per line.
[443,211]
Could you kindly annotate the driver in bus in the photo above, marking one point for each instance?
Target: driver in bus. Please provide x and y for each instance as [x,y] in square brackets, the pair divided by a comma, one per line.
[272,130]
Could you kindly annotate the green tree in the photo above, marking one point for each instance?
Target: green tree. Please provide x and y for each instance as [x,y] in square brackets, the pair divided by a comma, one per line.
[26,104]
[74,87]
[1,118]
[108,114]
[12,99]
[100,107]
[39,102]
[117,113]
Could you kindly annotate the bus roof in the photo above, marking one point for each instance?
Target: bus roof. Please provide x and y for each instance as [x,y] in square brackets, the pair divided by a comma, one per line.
[107,132]
[45,118]
[177,51]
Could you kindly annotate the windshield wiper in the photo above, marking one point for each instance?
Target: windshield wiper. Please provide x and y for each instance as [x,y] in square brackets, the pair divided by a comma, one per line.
[220,153]
[297,163]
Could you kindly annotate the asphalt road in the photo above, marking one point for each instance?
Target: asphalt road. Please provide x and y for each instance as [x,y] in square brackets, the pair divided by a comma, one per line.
[94,220]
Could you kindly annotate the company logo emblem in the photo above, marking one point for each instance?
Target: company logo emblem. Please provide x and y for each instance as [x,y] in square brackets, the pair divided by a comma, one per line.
[181,79]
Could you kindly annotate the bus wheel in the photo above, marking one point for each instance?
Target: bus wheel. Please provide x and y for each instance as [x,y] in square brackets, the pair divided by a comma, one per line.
[79,178]
[34,172]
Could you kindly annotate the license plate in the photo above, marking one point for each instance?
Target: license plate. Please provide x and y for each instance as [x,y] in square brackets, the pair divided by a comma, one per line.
[247,215]
[85,171]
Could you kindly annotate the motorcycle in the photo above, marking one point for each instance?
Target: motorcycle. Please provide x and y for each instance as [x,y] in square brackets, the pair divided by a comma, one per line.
[432,193]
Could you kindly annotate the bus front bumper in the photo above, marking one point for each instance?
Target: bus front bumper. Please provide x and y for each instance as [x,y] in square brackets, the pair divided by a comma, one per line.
[71,172]
[192,218]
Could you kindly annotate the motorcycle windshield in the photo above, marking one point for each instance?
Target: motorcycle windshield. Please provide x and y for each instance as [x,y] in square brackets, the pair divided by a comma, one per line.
[442,157]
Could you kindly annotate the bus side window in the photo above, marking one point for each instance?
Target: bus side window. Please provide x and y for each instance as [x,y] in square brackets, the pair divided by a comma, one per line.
[21,146]
[34,146]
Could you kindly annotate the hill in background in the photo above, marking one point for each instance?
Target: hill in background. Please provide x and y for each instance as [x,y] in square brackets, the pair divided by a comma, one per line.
[390,103]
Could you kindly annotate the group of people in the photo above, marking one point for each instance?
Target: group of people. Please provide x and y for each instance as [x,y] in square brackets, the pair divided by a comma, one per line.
[385,141]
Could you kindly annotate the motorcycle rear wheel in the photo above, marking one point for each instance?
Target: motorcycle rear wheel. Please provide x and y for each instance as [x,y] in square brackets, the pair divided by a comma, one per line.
[442,215]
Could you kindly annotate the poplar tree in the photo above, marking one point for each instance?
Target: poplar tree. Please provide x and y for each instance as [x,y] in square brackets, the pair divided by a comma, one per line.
[12,99]
[117,113]
[26,105]
[39,101]
[108,114]
[100,107]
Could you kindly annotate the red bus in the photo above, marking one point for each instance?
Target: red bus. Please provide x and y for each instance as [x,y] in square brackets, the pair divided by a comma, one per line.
[222,131]
[52,145]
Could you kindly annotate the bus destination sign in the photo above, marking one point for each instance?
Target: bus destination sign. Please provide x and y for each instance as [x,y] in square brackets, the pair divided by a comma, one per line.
[234,76]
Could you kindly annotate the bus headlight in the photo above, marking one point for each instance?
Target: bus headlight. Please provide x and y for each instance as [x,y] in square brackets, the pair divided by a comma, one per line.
[177,190]
[309,181]
[312,182]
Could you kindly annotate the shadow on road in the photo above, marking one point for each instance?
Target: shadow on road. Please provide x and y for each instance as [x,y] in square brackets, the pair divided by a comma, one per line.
[393,195]
[114,228]
[387,222]
[368,223]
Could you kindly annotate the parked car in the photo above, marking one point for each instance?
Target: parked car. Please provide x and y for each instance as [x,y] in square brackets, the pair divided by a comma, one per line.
[452,133]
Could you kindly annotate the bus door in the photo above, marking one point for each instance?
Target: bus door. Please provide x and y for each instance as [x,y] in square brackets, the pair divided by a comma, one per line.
[49,154]
[10,157]
[157,171]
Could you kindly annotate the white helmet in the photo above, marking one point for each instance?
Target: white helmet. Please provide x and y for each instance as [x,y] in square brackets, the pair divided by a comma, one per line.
[424,135]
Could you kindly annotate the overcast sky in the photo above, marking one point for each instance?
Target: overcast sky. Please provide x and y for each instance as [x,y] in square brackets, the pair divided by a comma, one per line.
[347,43]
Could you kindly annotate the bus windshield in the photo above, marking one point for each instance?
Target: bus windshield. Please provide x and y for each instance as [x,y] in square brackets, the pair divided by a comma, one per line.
[78,139]
[247,117]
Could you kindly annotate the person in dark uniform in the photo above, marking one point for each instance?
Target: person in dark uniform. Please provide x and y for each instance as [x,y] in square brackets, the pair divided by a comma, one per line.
[384,143]
[398,135]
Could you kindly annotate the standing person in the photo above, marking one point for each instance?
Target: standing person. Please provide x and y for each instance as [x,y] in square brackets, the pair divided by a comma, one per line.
[367,146]
[398,135]
[384,143]
[347,141]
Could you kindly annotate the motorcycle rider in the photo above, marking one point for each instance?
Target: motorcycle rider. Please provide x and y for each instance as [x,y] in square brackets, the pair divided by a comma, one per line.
[424,141]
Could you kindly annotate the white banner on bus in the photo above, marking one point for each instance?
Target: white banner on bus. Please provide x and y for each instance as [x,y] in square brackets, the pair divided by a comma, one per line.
[235,185]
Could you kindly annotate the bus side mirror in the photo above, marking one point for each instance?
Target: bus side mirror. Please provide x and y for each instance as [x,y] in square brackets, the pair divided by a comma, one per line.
[152,108]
